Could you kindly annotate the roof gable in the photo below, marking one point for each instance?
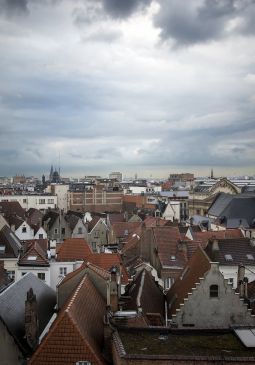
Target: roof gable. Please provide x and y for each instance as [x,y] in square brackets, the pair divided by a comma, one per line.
[74,249]
[195,269]
[34,256]
[81,319]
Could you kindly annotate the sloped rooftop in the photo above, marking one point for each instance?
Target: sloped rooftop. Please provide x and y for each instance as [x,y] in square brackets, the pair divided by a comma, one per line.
[74,249]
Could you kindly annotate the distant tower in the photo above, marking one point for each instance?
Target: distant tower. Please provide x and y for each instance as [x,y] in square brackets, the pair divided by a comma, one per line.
[212,173]
[135,176]
[51,173]
[43,180]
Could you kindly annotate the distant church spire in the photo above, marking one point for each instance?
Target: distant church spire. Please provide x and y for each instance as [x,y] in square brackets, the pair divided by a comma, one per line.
[51,173]
[212,173]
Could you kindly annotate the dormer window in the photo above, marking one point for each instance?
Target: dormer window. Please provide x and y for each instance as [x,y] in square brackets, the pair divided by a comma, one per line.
[2,250]
[173,257]
[228,258]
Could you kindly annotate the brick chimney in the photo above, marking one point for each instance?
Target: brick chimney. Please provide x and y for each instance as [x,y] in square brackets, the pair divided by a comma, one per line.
[215,244]
[31,319]
[240,279]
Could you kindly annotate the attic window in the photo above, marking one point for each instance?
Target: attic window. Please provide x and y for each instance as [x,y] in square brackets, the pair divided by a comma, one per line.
[126,232]
[173,257]
[2,250]
[32,257]
[228,258]
[249,257]
[214,291]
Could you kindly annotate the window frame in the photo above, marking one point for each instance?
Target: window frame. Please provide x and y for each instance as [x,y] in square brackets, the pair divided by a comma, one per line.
[214,291]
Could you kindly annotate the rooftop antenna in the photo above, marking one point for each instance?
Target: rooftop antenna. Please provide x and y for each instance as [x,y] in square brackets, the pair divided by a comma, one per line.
[59,163]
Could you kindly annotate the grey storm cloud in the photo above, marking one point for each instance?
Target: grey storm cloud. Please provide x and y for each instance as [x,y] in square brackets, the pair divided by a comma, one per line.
[191,22]
[14,7]
[123,8]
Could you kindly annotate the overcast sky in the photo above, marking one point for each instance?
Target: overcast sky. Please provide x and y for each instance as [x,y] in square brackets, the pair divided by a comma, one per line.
[137,86]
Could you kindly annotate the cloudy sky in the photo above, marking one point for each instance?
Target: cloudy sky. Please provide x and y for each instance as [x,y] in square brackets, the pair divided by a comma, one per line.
[137,86]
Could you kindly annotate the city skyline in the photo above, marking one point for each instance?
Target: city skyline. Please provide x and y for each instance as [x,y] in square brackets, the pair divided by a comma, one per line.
[143,87]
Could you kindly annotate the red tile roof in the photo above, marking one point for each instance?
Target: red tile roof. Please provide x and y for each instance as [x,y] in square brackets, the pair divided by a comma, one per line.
[37,251]
[93,222]
[228,233]
[120,228]
[106,261]
[166,240]
[77,332]
[74,249]
[195,269]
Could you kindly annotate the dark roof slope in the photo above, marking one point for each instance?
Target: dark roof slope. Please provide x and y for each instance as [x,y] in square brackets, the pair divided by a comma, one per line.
[11,242]
[238,248]
[50,218]
[8,208]
[12,306]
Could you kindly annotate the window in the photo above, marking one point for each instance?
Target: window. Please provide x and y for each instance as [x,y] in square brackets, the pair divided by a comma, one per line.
[96,234]
[231,281]
[214,291]
[80,230]
[2,250]
[94,246]
[24,229]
[63,271]
[50,201]
[249,257]
[41,201]
[40,236]
[168,283]
[173,257]
[228,258]
[41,275]
[32,257]
[23,273]
[11,275]
[24,200]
[55,231]
[63,230]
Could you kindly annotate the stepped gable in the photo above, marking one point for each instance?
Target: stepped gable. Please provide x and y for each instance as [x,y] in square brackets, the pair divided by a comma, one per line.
[106,261]
[166,239]
[74,249]
[12,208]
[195,269]
[145,293]
[38,254]
[77,332]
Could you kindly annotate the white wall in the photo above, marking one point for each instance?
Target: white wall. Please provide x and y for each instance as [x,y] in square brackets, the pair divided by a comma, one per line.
[32,201]
[55,276]
[34,270]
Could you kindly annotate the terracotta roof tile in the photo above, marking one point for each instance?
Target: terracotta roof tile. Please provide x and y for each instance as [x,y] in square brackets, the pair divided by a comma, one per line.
[38,253]
[74,249]
[228,233]
[120,228]
[195,269]
[106,261]
[77,332]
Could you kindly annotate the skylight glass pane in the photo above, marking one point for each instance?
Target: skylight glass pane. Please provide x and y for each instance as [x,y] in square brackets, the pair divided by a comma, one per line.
[250,257]
[2,250]
[228,257]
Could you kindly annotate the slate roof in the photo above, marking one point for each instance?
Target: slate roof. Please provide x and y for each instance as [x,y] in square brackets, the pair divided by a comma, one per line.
[145,293]
[191,247]
[238,248]
[51,216]
[11,242]
[72,221]
[12,306]
[35,215]
[234,208]
[74,249]
[228,233]
[106,261]
[8,208]
[37,251]
[77,332]
[195,269]
[15,221]
[166,240]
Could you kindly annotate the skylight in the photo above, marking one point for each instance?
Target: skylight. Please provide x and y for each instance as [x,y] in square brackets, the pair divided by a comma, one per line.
[228,257]
[2,250]
[173,257]
[32,257]
[250,257]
